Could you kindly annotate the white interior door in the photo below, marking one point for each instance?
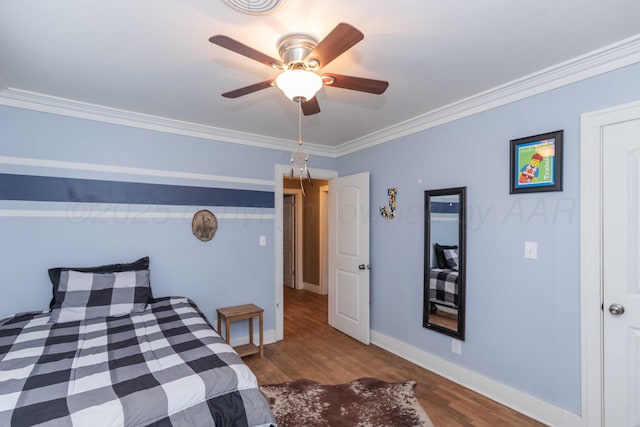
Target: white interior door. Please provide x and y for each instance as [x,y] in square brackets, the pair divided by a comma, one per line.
[349,255]
[288,242]
[621,264]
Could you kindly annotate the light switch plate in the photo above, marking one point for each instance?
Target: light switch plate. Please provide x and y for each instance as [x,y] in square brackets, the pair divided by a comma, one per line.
[456,346]
[531,250]
[263,240]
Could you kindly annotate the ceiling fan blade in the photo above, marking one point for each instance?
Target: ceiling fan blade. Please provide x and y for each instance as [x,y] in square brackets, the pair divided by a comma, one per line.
[338,41]
[248,89]
[357,83]
[243,49]
[310,107]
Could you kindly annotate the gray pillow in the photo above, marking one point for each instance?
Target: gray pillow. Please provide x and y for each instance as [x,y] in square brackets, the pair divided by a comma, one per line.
[451,258]
[441,261]
[54,273]
[84,296]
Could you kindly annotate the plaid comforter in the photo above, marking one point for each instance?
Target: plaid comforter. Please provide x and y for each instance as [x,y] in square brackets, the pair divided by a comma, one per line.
[164,366]
[443,287]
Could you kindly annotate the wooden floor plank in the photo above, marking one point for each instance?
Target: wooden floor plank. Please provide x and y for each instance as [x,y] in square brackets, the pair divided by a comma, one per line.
[312,349]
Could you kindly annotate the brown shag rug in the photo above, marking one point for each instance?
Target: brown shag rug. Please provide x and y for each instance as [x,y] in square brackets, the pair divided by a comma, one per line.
[365,402]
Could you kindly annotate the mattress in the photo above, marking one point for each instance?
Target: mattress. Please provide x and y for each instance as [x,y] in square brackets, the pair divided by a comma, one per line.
[163,366]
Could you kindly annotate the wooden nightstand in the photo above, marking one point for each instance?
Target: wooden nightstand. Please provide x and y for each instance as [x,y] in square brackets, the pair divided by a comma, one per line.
[241,312]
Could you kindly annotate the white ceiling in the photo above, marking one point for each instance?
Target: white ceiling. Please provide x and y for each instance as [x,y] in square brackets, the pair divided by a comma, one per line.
[153,56]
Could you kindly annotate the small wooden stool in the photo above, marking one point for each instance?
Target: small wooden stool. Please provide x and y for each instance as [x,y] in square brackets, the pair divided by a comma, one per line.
[241,312]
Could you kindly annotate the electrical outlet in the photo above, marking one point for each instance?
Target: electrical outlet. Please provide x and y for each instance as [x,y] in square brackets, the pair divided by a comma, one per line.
[456,346]
[263,240]
[531,250]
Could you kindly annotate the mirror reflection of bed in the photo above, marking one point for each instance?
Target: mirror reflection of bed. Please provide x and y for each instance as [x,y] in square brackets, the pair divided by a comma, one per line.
[444,278]
[444,266]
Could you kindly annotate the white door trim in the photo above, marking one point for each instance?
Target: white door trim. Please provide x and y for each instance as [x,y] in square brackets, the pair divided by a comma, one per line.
[299,250]
[591,331]
[282,170]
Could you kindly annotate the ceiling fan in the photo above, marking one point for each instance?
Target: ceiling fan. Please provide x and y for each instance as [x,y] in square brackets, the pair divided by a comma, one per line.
[302,59]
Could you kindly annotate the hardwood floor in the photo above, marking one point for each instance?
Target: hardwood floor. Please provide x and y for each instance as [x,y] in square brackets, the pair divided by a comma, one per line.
[312,349]
[445,320]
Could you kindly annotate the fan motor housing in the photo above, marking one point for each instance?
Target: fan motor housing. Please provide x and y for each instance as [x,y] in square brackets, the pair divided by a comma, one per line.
[294,49]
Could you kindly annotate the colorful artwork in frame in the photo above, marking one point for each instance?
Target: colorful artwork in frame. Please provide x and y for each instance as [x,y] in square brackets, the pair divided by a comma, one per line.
[536,163]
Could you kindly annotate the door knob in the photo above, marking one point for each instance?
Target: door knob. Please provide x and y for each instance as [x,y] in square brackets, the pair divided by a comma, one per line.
[364,267]
[616,309]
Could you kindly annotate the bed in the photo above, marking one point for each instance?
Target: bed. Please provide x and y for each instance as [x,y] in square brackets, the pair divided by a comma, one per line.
[443,288]
[163,365]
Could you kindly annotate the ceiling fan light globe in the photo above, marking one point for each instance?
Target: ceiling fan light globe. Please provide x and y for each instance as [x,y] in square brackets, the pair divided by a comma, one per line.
[299,84]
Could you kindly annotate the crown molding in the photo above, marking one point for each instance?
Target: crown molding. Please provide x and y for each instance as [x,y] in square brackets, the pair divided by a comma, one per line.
[19,98]
[612,57]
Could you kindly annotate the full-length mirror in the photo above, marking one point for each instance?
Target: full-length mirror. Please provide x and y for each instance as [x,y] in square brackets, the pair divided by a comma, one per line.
[444,260]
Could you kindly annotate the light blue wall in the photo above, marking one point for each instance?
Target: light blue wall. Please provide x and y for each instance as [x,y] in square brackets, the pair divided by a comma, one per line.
[523,316]
[231,269]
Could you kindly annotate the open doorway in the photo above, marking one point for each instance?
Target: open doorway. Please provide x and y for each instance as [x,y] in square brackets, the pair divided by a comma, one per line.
[304,250]
[324,239]
[304,243]
[310,271]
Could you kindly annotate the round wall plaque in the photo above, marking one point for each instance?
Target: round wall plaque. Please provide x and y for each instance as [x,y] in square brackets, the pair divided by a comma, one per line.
[204,225]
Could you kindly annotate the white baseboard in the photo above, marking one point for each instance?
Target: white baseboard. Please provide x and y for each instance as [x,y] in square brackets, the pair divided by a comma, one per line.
[311,287]
[501,393]
[268,337]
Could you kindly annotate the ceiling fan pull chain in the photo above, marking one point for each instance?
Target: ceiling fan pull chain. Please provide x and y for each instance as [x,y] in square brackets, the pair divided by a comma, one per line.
[299,157]
[299,122]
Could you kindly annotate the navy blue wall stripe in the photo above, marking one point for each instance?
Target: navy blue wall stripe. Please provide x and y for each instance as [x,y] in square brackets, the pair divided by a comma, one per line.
[56,189]
[444,207]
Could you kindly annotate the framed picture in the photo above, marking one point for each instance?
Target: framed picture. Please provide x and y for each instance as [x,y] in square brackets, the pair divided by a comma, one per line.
[536,163]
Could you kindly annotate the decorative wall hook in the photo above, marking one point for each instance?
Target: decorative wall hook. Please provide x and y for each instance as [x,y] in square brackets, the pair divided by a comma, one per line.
[389,211]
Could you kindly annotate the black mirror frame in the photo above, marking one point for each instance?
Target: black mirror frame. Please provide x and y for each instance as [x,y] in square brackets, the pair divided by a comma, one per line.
[461,192]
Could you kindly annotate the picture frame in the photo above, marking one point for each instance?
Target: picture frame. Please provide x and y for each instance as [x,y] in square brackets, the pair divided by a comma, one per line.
[536,163]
